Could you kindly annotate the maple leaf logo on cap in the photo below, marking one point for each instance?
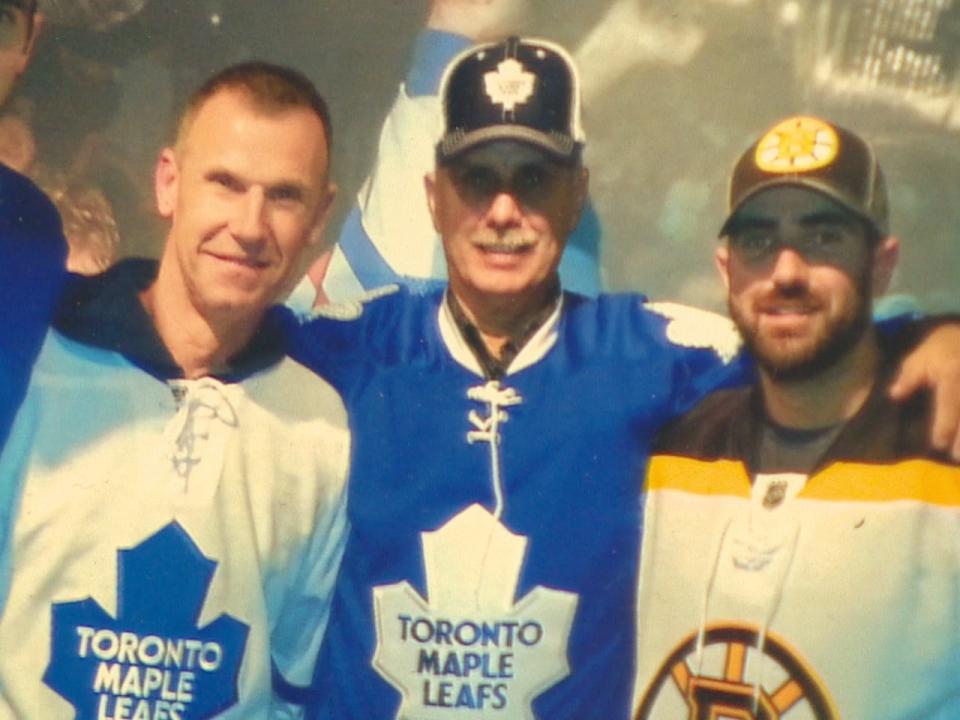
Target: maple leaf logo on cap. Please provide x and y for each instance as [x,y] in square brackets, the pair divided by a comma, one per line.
[510,85]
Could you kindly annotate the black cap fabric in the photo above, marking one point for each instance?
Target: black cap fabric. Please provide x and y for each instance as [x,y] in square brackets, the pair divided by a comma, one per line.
[522,89]
[813,153]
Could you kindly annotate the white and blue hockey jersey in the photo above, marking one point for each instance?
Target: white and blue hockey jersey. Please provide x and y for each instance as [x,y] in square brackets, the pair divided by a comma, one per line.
[173,542]
[491,567]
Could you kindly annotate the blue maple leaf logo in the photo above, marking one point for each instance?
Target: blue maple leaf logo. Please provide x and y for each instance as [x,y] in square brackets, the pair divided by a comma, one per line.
[152,661]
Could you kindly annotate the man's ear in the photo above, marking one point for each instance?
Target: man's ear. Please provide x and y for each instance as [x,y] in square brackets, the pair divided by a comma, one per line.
[166,182]
[26,52]
[322,215]
[885,257]
[721,259]
[430,187]
[31,44]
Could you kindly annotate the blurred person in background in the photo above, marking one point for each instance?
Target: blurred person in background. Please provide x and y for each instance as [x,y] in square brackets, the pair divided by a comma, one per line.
[29,227]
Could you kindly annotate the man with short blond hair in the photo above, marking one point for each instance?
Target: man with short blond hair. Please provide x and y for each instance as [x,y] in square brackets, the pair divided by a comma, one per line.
[178,517]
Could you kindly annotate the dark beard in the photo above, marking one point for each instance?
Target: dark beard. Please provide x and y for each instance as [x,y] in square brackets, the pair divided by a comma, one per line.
[838,339]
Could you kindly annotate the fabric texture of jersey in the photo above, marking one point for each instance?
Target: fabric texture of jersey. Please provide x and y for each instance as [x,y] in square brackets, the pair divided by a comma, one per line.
[32,271]
[174,540]
[491,567]
[833,595]
[389,236]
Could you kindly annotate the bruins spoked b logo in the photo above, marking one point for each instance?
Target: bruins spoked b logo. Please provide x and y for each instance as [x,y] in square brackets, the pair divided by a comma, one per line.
[725,689]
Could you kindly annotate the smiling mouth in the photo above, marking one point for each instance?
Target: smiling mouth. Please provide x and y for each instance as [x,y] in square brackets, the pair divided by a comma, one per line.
[787,311]
[245,262]
[501,249]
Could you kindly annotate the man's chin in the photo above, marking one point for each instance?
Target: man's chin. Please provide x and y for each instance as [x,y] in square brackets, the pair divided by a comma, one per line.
[241,304]
[791,360]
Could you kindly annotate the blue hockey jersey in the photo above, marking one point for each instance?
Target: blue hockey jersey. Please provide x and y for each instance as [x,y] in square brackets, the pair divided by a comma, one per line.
[492,565]
[34,267]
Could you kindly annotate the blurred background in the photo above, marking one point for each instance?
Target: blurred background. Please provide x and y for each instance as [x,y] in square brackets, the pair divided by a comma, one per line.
[674,91]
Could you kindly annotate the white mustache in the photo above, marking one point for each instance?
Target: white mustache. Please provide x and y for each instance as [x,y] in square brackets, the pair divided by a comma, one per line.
[510,241]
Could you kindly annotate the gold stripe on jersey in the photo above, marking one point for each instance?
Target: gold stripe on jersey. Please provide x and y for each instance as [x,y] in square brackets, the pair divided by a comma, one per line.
[924,481]
[717,477]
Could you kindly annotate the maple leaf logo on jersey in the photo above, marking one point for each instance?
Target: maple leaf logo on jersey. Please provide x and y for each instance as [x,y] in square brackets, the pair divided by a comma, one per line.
[510,85]
[468,650]
[152,661]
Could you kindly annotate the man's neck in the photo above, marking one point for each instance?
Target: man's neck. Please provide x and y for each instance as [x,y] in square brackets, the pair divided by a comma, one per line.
[828,398]
[200,344]
[501,319]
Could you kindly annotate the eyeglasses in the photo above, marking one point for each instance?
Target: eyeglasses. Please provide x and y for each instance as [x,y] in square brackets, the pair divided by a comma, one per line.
[827,242]
[531,184]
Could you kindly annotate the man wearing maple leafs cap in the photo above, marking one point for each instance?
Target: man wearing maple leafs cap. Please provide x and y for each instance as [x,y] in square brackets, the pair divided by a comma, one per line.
[388,236]
[800,548]
[500,428]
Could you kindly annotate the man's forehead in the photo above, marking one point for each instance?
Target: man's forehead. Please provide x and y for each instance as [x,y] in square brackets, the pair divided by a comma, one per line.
[790,203]
[237,105]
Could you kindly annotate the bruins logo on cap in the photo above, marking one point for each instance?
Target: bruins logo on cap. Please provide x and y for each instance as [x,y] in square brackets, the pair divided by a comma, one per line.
[799,144]
[510,85]
[724,685]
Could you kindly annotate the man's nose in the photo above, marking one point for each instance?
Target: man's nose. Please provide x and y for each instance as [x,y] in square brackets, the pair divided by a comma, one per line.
[505,210]
[248,223]
[789,267]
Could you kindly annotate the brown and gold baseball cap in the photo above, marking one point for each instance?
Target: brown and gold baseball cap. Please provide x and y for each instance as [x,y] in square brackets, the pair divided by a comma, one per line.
[813,153]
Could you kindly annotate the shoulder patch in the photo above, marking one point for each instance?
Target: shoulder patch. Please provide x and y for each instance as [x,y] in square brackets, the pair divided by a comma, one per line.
[351,309]
[696,328]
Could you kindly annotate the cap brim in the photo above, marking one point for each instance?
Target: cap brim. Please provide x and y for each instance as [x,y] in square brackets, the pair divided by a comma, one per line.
[797,181]
[560,146]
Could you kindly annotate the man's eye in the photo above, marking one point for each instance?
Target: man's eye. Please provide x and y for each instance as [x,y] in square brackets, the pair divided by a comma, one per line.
[827,236]
[755,242]
[531,177]
[479,182]
[226,181]
[285,194]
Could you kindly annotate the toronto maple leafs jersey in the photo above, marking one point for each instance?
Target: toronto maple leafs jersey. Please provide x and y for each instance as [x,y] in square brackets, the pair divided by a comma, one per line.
[173,540]
[491,566]
[803,597]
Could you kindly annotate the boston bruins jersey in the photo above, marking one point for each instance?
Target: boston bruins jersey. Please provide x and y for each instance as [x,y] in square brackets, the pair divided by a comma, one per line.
[833,595]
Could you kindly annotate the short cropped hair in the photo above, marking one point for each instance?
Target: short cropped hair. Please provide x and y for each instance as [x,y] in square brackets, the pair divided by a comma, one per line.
[271,88]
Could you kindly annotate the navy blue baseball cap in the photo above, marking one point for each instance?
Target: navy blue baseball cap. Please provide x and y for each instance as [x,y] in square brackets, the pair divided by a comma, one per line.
[523,89]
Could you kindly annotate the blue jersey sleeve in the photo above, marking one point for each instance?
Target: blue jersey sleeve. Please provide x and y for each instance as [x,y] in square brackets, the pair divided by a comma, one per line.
[32,274]
[706,354]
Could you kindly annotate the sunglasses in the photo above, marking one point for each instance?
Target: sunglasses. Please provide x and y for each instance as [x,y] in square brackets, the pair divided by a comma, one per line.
[531,184]
[820,242]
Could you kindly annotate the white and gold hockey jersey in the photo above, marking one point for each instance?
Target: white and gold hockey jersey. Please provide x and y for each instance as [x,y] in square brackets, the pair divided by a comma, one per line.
[833,595]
